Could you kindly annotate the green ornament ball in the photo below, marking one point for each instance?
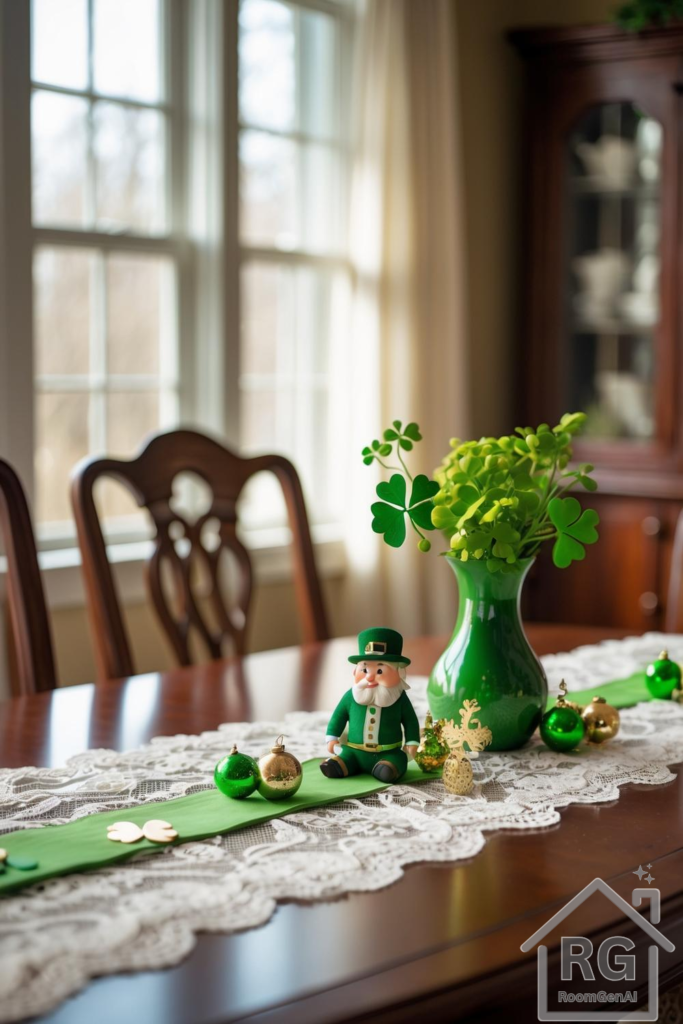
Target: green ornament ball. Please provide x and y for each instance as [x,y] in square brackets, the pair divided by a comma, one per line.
[663,676]
[424,545]
[237,775]
[562,728]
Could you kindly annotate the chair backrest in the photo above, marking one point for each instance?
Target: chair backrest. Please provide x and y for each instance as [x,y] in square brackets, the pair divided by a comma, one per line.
[673,618]
[172,568]
[35,668]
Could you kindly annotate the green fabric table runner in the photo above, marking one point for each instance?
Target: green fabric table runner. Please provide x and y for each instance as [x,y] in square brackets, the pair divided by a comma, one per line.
[623,693]
[83,845]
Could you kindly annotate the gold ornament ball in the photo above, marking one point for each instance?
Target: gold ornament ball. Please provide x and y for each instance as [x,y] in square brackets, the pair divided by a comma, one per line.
[281,773]
[601,720]
[458,777]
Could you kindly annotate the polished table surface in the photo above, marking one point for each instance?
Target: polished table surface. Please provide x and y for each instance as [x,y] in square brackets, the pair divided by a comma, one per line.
[442,941]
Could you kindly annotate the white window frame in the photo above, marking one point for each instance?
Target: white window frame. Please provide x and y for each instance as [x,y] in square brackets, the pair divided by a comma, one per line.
[174,407]
[245,252]
[204,197]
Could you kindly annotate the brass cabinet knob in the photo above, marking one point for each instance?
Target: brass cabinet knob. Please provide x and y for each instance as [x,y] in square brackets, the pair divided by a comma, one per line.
[651,526]
[649,602]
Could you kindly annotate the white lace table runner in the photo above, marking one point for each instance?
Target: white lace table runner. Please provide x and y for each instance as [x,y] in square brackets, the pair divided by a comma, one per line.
[144,914]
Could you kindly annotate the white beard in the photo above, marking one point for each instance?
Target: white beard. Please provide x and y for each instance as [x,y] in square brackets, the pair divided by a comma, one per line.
[382,696]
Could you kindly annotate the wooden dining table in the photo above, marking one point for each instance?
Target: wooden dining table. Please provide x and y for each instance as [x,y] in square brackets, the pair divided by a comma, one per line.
[442,943]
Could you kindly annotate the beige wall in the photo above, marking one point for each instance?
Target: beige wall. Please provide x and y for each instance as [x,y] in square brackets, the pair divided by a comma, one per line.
[492,113]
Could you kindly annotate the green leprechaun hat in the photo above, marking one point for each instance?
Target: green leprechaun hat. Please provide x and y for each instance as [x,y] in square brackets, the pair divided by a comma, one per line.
[379,644]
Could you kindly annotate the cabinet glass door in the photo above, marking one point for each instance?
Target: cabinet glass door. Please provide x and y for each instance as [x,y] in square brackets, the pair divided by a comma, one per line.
[613,270]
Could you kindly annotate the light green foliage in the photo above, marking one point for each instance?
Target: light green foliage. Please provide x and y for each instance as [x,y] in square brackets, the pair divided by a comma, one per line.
[496,499]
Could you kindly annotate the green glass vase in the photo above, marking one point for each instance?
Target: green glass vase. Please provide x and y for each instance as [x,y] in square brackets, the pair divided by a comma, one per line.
[489,658]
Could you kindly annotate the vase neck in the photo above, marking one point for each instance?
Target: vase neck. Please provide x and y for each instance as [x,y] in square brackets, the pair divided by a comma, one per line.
[489,597]
[476,583]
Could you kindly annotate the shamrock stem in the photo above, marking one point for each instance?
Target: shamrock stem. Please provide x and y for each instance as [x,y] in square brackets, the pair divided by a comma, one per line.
[392,469]
[405,468]
[418,531]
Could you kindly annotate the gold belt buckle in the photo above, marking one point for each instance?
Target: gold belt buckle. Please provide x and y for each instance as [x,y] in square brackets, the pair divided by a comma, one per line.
[372,746]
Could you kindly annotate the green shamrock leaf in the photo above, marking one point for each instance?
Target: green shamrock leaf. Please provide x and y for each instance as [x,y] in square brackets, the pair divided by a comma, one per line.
[574,529]
[423,488]
[390,522]
[413,432]
[421,505]
[389,514]
[393,490]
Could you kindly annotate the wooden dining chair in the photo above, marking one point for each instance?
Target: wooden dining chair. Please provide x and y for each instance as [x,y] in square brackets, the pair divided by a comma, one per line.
[180,548]
[33,659]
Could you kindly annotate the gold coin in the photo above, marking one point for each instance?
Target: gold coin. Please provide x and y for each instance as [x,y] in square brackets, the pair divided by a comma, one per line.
[158,831]
[124,832]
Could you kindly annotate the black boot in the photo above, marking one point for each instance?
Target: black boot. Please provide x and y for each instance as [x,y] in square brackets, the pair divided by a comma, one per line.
[332,769]
[384,771]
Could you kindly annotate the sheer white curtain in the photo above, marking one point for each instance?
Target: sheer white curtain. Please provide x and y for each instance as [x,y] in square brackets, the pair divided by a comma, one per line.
[407,355]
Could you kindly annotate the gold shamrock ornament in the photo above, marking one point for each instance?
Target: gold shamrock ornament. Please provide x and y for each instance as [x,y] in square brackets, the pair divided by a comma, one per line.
[158,831]
[470,735]
[124,832]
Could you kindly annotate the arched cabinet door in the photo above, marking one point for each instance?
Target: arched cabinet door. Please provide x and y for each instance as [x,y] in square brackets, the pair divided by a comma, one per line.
[604,207]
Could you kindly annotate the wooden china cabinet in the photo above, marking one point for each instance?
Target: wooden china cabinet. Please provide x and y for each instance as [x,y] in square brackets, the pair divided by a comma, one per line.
[602,320]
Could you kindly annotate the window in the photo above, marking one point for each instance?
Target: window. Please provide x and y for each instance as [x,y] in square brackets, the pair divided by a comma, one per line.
[141,241]
[294,275]
[106,243]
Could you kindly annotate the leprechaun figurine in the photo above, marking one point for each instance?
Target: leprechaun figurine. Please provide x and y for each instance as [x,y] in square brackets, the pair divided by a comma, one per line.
[377,711]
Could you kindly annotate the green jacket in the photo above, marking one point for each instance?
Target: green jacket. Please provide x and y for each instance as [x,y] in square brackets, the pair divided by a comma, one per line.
[386,727]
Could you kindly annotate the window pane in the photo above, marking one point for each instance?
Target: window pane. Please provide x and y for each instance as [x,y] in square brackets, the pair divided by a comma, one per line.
[127,52]
[319,184]
[313,319]
[61,440]
[290,195]
[267,68]
[129,153]
[319,89]
[136,290]
[268,190]
[61,280]
[267,319]
[130,417]
[59,148]
[59,41]
[260,421]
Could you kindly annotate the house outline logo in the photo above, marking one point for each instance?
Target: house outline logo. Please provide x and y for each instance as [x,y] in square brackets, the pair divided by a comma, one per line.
[651,1012]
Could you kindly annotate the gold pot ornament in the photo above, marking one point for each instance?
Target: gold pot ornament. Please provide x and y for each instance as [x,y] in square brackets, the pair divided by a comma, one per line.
[601,720]
[470,735]
[281,773]
[458,777]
